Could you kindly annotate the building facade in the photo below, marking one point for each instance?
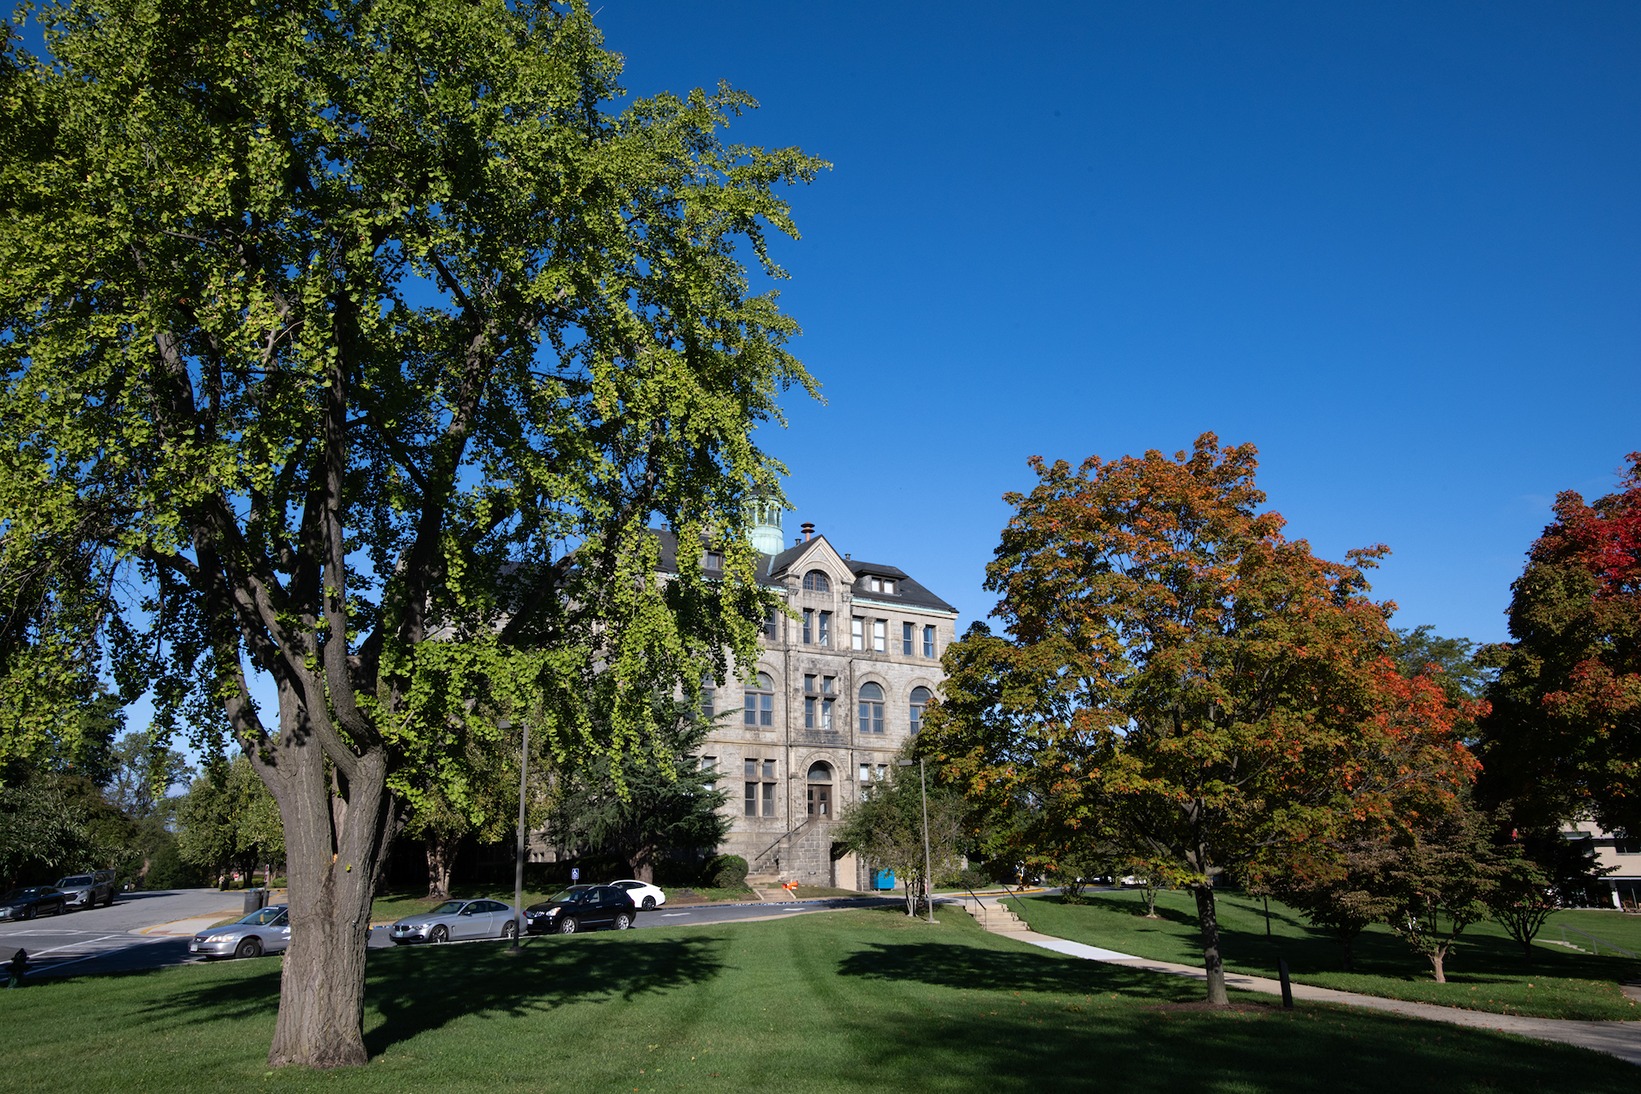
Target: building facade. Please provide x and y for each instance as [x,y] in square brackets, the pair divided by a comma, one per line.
[839,687]
[1617,853]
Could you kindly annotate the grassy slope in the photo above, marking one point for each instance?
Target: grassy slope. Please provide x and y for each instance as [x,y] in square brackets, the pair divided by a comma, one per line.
[1486,971]
[848,1001]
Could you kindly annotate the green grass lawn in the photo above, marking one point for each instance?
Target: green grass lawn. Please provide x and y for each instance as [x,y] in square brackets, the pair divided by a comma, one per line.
[846,1001]
[1487,971]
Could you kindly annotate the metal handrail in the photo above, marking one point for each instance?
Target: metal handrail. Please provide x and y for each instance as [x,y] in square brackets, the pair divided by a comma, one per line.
[759,857]
[1597,941]
[978,903]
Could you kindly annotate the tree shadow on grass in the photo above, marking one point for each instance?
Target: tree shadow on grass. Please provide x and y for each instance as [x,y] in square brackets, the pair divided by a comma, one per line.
[409,992]
[1072,1024]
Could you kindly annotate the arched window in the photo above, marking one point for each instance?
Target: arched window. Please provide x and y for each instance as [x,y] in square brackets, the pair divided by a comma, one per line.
[816,581]
[920,699]
[759,709]
[871,708]
[820,790]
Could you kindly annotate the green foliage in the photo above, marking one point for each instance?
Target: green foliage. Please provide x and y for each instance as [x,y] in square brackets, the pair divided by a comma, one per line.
[359,345]
[725,871]
[51,825]
[1563,739]
[886,827]
[643,806]
[229,820]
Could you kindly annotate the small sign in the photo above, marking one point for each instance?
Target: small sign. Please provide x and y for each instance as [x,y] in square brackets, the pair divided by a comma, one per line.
[575,873]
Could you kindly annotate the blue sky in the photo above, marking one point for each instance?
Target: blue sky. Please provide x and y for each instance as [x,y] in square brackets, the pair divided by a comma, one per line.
[1395,246]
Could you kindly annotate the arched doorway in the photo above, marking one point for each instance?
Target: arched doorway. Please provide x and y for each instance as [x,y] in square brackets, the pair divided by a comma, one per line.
[820,791]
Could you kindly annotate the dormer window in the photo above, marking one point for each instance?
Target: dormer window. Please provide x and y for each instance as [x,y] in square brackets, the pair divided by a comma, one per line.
[881,584]
[712,560]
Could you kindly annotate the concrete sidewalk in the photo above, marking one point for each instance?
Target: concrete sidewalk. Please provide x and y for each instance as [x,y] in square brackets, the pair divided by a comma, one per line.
[1620,1039]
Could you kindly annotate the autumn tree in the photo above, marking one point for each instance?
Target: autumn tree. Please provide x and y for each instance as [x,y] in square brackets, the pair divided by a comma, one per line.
[329,335]
[1180,676]
[1439,879]
[1564,736]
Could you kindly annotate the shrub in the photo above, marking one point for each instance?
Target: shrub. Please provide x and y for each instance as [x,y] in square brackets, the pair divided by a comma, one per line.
[726,871]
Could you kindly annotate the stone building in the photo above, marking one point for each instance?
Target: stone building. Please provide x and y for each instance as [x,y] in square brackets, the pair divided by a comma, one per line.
[839,688]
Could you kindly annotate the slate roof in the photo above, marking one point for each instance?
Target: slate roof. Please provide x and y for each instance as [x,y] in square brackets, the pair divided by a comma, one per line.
[771,568]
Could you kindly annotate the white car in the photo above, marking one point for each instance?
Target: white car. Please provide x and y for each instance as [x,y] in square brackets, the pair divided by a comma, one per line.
[266,930]
[643,894]
[455,920]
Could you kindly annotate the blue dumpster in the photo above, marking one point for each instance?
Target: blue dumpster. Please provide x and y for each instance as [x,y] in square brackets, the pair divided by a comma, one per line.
[883,879]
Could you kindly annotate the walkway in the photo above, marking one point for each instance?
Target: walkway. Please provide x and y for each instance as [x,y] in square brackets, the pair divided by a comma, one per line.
[1620,1039]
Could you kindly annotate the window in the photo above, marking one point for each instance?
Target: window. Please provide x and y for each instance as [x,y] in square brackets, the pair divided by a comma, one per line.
[810,702]
[709,698]
[808,626]
[823,636]
[928,642]
[817,701]
[760,787]
[920,699]
[906,639]
[881,584]
[712,560]
[857,633]
[816,581]
[871,708]
[880,635]
[709,771]
[770,624]
[870,776]
[759,709]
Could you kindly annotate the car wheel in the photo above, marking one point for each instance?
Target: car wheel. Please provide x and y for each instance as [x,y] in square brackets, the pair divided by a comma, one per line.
[439,934]
[567,925]
[250,947]
[510,929]
[622,921]
[28,913]
[649,903]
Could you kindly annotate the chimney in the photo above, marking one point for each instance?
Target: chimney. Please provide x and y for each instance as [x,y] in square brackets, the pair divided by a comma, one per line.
[808,530]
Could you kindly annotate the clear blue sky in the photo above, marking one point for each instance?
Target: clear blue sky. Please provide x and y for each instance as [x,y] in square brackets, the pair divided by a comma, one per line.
[1395,246]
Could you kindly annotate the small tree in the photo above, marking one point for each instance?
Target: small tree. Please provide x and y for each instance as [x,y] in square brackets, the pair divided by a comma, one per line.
[1341,890]
[1538,871]
[885,827]
[1443,873]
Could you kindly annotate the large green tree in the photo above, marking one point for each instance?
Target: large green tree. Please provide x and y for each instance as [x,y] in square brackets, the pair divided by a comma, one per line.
[886,827]
[1180,680]
[646,805]
[228,822]
[331,330]
[1564,735]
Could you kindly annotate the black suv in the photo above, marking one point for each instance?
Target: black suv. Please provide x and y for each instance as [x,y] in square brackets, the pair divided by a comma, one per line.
[581,906]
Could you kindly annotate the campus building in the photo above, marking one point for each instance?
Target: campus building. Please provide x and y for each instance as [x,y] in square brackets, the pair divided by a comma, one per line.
[840,686]
[1617,853]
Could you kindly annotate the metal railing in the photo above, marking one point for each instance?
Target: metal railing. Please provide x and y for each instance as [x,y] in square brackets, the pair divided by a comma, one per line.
[1595,943]
[758,859]
[984,925]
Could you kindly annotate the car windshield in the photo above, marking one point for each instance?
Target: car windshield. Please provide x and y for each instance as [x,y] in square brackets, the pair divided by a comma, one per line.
[263,916]
[16,894]
[570,895]
[449,907]
[83,879]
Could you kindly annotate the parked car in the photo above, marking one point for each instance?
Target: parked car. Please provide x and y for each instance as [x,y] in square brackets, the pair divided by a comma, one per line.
[643,894]
[88,890]
[582,906]
[266,930]
[32,901]
[455,920]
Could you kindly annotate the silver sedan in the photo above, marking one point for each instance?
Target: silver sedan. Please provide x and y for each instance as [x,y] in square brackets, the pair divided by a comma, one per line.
[266,930]
[455,920]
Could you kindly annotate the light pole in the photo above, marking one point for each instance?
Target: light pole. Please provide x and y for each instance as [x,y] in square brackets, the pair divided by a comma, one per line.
[518,864]
[928,879]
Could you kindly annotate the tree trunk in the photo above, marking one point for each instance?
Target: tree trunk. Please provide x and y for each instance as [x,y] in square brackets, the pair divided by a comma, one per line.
[1208,920]
[1438,958]
[441,857]
[642,863]
[336,834]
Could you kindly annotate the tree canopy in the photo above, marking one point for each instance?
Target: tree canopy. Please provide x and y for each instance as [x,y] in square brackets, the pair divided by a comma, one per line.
[1564,734]
[353,348]
[1180,681]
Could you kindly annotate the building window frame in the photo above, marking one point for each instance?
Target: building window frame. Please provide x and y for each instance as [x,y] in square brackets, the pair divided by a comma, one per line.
[871,708]
[759,709]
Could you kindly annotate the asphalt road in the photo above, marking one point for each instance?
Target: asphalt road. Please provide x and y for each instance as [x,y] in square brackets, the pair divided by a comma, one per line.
[118,938]
[151,929]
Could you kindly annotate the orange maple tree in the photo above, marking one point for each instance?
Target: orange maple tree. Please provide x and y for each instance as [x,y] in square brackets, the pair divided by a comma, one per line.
[1183,683]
